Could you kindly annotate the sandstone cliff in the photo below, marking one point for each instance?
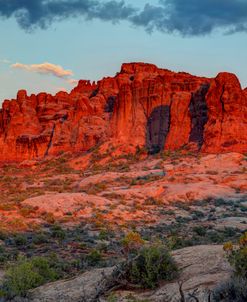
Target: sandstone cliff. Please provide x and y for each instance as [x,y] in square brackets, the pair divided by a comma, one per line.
[141,106]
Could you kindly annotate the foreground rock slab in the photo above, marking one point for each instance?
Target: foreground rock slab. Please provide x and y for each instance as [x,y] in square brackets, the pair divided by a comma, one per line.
[202,267]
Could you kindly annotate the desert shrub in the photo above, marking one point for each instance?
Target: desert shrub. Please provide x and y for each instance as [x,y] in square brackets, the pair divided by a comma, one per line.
[132,242]
[27,211]
[112,298]
[93,189]
[104,235]
[220,202]
[141,180]
[151,201]
[215,237]
[57,232]
[3,235]
[6,207]
[180,219]
[48,217]
[234,290]
[183,206]
[200,230]
[60,265]
[94,257]
[197,215]
[230,232]
[151,265]
[131,298]
[40,238]
[212,172]
[238,256]
[4,256]
[176,241]
[27,274]
[243,208]
[20,239]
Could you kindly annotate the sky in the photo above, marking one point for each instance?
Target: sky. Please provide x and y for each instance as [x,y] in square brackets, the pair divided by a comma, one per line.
[49,45]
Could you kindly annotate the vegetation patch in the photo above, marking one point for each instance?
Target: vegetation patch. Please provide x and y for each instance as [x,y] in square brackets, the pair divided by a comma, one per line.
[152,265]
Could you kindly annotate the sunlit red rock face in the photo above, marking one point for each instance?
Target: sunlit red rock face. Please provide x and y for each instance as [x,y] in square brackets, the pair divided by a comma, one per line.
[141,106]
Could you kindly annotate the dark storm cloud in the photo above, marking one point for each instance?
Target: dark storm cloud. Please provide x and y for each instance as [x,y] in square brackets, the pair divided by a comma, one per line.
[194,17]
[41,13]
[187,17]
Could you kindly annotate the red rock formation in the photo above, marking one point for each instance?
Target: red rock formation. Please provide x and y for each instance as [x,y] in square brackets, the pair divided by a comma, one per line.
[226,128]
[141,106]
[245,92]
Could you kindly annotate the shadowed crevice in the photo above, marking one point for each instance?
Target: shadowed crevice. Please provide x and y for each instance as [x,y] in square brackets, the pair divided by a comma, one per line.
[199,115]
[50,141]
[109,106]
[158,126]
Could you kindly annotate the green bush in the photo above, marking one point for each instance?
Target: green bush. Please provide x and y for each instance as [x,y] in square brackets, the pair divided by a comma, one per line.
[20,240]
[197,215]
[200,230]
[58,232]
[151,265]
[27,274]
[40,238]
[104,235]
[94,257]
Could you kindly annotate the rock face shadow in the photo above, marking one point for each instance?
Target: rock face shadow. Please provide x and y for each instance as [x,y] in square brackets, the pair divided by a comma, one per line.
[158,126]
[199,115]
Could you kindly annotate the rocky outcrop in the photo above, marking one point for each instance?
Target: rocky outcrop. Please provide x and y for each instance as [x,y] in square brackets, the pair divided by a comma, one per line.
[42,124]
[141,106]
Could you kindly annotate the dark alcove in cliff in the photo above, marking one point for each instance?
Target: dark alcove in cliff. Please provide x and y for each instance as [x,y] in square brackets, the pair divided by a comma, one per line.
[158,125]
[109,106]
[199,114]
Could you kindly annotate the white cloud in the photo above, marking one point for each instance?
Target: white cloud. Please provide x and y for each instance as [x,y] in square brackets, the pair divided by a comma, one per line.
[45,68]
[5,61]
[73,81]
[62,89]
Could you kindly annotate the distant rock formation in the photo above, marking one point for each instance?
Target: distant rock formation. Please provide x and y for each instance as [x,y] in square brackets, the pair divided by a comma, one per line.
[141,106]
